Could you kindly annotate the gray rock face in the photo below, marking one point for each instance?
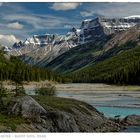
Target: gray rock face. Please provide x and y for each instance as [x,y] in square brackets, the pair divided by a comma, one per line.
[54,120]
[114,25]
[62,122]
[132,120]
[27,107]
[48,47]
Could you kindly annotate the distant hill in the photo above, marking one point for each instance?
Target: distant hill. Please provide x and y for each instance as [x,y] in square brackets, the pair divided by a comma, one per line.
[123,68]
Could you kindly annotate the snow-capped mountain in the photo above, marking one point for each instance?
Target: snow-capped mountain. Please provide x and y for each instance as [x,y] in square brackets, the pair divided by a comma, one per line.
[44,48]
[5,48]
[48,46]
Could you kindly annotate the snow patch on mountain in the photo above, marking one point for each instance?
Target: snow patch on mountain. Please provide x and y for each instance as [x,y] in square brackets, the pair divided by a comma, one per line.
[132,17]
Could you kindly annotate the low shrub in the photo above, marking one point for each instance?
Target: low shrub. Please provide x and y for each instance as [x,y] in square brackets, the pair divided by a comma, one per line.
[46,90]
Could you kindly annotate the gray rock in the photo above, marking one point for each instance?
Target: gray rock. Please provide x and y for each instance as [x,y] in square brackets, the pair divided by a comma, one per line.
[27,107]
[62,122]
[48,119]
[132,120]
[94,121]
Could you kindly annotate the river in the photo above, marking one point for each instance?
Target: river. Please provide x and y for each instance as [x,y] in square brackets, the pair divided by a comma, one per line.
[108,103]
[110,100]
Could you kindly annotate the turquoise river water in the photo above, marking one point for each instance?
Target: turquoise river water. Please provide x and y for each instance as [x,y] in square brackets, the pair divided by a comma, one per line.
[108,103]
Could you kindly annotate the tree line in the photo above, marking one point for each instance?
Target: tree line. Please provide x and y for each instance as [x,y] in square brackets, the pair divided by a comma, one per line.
[15,68]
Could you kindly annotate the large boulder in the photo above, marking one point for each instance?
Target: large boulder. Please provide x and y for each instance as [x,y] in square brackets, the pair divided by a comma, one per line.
[27,107]
[44,120]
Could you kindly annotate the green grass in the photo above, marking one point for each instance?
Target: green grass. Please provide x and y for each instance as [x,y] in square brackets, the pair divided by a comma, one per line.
[11,121]
[63,104]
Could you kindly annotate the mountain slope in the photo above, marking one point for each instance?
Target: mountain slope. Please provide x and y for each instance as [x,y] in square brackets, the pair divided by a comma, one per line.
[123,68]
[77,57]
[12,67]
[91,53]
[42,49]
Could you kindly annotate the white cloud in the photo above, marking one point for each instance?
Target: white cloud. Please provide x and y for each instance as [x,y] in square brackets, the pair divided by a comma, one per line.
[8,40]
[114,9]
[65,6]
[40,21]
[15,25]
[31,21]
[87,13]
[34,23]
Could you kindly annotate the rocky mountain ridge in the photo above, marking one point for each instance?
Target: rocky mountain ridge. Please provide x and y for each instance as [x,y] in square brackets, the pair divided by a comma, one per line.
[84,55]
[45,48]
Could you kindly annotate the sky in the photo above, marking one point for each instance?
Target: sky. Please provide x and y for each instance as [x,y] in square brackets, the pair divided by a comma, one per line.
[19,21]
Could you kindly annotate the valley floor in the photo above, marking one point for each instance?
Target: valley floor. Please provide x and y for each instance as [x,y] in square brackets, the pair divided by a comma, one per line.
[96,87]
[130,90]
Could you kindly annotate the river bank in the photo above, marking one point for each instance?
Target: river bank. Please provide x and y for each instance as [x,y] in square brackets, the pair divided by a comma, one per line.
[112,100]
[109,99]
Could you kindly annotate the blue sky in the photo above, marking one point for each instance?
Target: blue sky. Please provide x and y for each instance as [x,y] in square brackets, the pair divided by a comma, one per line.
[21,20]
